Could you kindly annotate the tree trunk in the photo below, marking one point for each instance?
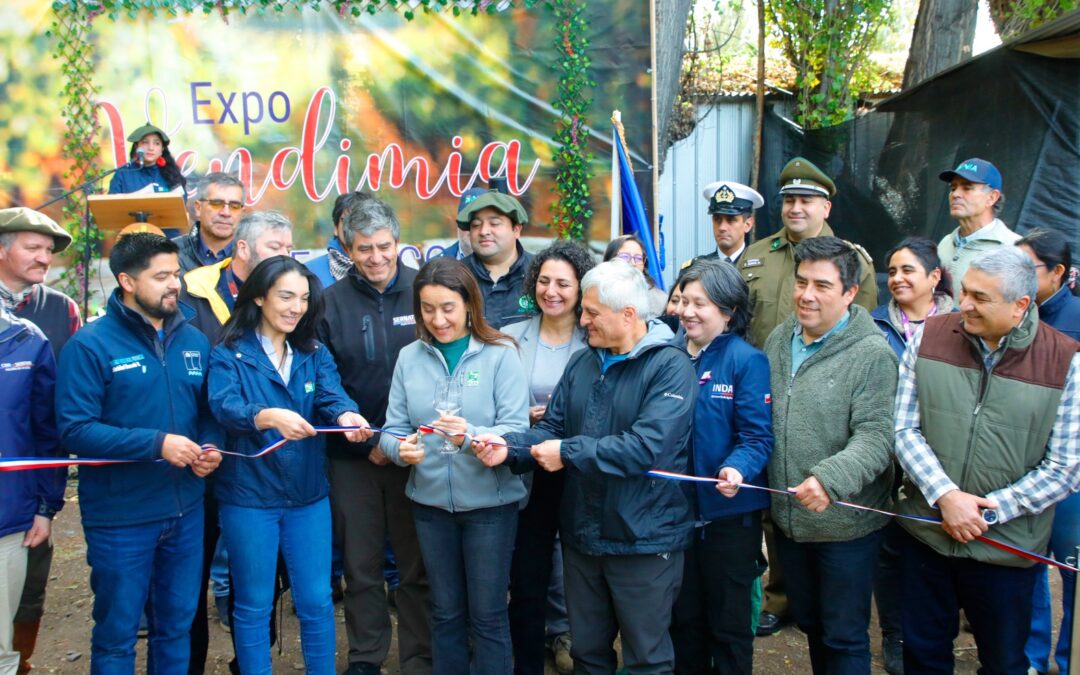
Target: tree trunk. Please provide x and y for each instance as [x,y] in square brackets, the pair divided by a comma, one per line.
[671,16]
[943,35]
[944,31]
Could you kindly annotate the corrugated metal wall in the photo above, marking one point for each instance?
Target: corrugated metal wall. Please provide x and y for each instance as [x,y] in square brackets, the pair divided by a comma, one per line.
[720,148]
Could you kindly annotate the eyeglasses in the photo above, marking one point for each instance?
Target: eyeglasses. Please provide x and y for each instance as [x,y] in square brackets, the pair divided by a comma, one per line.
[220,203]
[630,258]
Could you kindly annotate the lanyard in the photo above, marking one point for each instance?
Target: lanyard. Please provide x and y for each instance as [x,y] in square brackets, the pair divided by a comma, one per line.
[909,329]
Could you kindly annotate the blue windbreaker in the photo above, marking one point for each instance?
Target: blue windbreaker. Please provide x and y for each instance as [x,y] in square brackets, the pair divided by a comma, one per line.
[732,425]
[119,391]
[27,380]
[244,382]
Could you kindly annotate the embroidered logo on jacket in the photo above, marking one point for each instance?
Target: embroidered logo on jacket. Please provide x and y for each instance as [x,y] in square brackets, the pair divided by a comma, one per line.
[193,363]
[405,320]
[128,363]
[16,365]
[720,390]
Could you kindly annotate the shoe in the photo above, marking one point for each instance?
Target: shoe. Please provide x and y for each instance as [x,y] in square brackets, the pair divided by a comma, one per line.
[768,624]
[892,648]
[362,669]
[560,649]
[222,604]
[23,641]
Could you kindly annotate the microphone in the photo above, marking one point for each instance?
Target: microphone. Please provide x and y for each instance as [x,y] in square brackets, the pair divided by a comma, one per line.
[139,160]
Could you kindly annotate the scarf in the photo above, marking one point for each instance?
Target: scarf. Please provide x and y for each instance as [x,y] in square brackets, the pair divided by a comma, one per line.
[340,263]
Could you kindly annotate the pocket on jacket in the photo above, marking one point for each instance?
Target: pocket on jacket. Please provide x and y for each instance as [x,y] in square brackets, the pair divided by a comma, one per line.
[369,338]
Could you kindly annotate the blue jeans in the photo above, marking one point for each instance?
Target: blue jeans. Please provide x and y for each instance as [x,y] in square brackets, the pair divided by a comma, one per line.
[996,600]
[1063,542]
[467,557]
[219,570]
[253,537]
[157,566]
[829,586]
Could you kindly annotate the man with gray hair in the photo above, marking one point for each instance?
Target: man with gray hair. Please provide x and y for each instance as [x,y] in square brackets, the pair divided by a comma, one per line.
[622,407]
[988,435]
[368,319]
[219,202]
[211,290]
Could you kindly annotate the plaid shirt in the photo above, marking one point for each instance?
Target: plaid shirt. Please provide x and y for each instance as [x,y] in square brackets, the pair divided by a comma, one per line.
[1052,480]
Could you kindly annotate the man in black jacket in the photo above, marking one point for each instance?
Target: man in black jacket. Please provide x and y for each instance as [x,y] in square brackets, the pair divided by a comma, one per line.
[219,203]
[368,319]
[623,407]
[498,260]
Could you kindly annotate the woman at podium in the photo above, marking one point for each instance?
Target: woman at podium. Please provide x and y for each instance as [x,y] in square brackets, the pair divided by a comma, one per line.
[152,167]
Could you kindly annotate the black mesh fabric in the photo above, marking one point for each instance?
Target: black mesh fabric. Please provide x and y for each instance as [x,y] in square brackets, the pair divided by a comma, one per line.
[1017,110]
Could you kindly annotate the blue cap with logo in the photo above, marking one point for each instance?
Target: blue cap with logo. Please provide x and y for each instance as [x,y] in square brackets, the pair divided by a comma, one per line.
[975,170]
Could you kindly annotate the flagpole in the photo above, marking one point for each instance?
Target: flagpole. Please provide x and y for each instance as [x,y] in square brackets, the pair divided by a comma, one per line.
[616,182]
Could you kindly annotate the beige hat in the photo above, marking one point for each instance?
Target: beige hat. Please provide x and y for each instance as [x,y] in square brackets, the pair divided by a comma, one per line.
[22,219]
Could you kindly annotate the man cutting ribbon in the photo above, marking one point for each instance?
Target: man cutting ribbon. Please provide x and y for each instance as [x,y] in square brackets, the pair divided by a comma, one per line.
[132,385]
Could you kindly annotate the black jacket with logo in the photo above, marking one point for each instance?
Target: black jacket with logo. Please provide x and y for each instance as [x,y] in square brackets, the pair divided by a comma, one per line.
[365,330]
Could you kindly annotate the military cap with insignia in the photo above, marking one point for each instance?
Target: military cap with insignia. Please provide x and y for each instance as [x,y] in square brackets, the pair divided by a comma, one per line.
[732,199]
[144,131]
[801,177]
[503,203]
[22,219]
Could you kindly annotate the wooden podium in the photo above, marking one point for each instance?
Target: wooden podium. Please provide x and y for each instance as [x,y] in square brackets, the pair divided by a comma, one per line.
[113,213]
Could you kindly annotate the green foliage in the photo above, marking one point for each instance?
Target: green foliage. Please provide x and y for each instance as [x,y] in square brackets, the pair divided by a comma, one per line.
[1015,17]
[826,41]
[573,160]
[71,30]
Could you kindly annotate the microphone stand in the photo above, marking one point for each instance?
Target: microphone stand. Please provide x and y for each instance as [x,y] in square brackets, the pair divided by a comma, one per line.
[85,188]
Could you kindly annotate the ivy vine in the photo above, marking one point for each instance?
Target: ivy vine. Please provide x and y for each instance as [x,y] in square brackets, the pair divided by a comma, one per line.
[573,161]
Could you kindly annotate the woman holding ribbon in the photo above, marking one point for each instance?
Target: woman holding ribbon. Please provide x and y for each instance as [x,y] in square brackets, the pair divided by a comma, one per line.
[732,441]
[545,342]
[270,379]
[152,167]
[1059,307]
[461,378]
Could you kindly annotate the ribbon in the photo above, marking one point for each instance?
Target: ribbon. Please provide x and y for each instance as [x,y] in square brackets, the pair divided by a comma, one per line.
[1009,548]
[29,463]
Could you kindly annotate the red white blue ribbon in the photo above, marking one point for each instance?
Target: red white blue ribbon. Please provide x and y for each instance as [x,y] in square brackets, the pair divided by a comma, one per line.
[1009,548]
[29,463]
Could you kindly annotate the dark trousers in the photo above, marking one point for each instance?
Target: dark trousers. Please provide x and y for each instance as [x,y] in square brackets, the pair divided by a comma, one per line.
[629,595]
[368,504]
[775,599]
[829,587]
[888,587]
[711,620]
[467,557]
[38,564]
[530,571]
[995,599]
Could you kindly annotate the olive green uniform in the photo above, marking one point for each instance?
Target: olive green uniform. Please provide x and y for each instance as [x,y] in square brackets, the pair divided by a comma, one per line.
[768,267]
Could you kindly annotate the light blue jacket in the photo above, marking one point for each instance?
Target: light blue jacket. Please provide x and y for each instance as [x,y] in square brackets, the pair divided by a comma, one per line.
[495,400]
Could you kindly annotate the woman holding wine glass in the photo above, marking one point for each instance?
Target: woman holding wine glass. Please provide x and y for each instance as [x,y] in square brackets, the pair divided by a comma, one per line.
[460,378]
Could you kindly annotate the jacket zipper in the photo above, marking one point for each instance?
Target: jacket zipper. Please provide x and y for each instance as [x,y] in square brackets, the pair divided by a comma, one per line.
[159,347]
[385,337]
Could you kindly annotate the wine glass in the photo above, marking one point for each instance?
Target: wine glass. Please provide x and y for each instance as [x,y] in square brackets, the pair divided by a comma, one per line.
[448,402]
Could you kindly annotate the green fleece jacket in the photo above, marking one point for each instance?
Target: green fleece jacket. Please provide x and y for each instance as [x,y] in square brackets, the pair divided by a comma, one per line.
[833,420]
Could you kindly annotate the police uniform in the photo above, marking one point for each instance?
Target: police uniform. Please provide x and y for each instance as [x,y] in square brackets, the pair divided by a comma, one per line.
[728,198]
[768,265]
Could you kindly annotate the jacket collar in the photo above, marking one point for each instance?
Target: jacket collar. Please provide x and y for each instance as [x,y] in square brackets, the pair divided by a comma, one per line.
[249,346]
[780,239]
[1019,337]
[482,271]
[139,324]
[401,283]
[1056,302]
[658,335]
[890,311]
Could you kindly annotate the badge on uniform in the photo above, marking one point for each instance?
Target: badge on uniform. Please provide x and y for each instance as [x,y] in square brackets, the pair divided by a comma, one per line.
[309,387]
[776,243]
[753,262]
[472,378]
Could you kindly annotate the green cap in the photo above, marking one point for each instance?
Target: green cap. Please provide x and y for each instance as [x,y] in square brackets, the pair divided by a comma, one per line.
[801,177]
[145,130]
[22,219]
[503,203]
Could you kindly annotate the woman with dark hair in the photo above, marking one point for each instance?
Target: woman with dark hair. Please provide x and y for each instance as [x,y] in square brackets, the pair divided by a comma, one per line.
[270,379]
[154,170]
[545,342]
[732,440]
[1056,295]
[1060,308]
[462,378]
[920,287]
[630,249]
